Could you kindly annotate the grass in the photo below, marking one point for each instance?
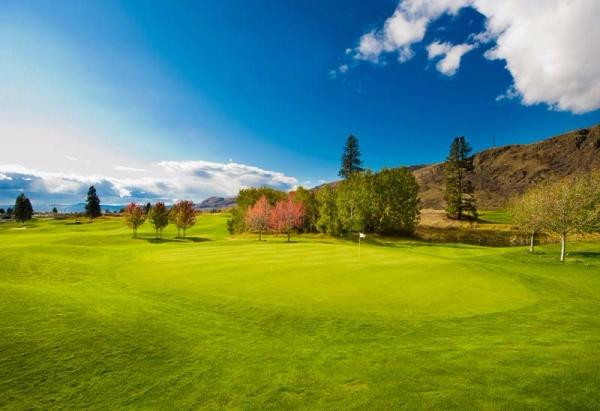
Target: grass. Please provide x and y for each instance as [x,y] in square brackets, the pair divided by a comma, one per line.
[495,216]
[94,318]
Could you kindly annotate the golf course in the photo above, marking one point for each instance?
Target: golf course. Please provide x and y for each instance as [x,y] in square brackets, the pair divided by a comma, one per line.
[93,318]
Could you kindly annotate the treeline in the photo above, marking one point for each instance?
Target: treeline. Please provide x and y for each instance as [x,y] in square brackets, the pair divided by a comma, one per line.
[564,207]
[385,202]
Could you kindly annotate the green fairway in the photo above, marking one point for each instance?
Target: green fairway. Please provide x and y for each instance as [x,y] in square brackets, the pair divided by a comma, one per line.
[91,317]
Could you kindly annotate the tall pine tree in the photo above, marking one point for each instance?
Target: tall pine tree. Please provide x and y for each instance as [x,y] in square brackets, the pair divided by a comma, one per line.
[459,195]
[23,209]
[351,162]
[92,204]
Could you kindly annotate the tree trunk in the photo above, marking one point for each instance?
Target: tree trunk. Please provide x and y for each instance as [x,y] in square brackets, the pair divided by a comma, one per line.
[184,233]
[134,233]
[289,235]
[531,244]
[259,235]
[563,246]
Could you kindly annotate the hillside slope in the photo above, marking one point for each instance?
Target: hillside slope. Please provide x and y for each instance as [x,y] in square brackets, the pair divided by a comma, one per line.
[505,171]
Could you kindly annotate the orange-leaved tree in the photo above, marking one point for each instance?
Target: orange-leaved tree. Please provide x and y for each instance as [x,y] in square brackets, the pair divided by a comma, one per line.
[134,217]
[287,215]
[259,215]
[159,217]
[183,215]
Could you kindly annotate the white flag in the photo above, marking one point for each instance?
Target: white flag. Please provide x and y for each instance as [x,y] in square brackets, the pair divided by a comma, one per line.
[362,235]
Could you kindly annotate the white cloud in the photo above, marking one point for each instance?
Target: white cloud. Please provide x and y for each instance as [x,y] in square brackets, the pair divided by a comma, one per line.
[450,63]
[510,94]
[134,169]
[166,180]
[71,158]
[342,69]
[370,47]
[404,28]
[549,46]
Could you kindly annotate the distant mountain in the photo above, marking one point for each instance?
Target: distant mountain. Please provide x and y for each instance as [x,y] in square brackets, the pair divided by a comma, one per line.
[216,203]
[503,172]
[80,208]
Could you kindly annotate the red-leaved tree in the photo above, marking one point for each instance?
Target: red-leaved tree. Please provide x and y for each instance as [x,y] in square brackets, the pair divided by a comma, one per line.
[183,215]
[287,215]
[258,216]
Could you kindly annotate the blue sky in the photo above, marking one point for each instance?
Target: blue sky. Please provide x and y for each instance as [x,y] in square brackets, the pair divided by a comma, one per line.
[189,99]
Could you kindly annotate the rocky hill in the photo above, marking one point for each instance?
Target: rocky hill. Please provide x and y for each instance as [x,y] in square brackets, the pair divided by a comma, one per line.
[216,203]
[503,172]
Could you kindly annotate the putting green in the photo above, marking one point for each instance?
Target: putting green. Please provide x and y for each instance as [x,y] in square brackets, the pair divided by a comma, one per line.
[93,318]
[330,277]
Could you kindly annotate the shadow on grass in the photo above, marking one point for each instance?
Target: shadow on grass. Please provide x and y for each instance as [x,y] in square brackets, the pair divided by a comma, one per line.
[154,240]
[586,254]
[159,240]
[412,242]
[194,239]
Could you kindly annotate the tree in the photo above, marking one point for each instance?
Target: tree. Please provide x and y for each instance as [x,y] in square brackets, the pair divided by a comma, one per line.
[351,162]
[459,193]
[571,204]
[287,216]
[23,209]
[246,198]
[311,210]
[134,217]
[258,216]
[172,215]
[526,212]
[352,202]
[92,205]
[184,215]
[159,218]
[54,210]
[395,205]
[327,221]
[2,211]
[148,207]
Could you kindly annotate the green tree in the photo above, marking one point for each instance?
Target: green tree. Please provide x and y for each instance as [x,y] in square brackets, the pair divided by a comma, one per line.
[54,210]
[159,218]
[351,162]
[459,194]
[327,221]
[311,212]
[23,210]
[395,205]
[92,204]
[148,207]
[353,205]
